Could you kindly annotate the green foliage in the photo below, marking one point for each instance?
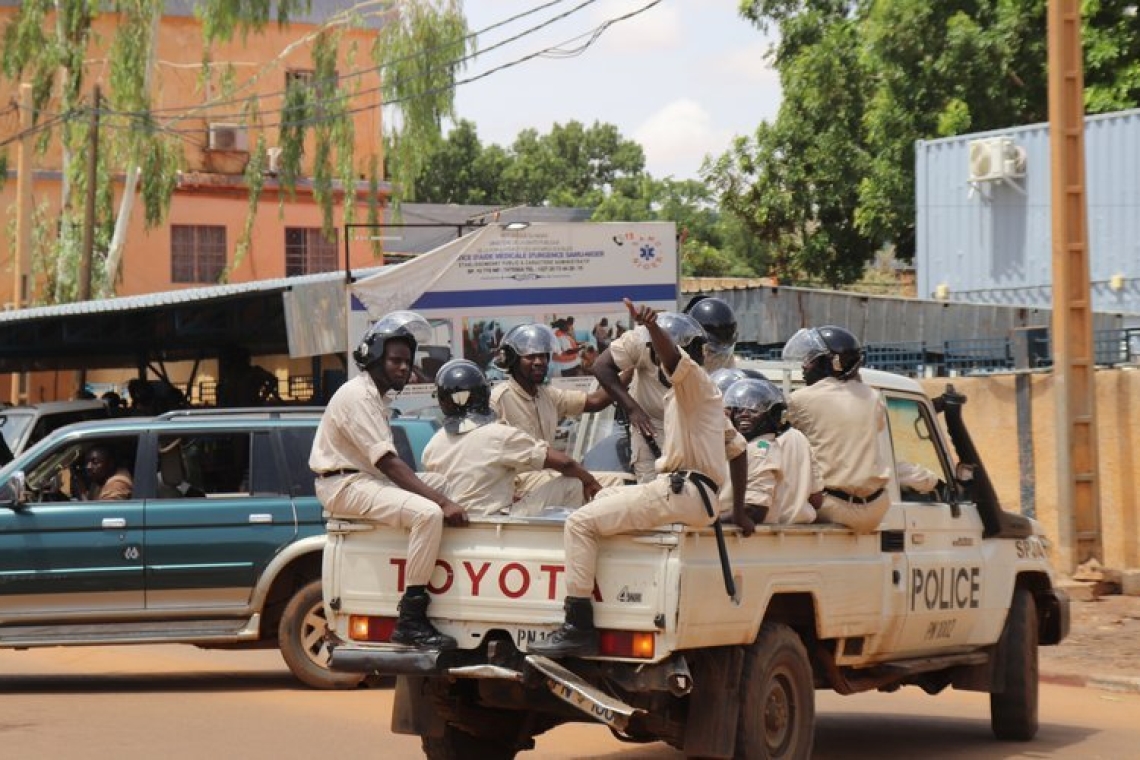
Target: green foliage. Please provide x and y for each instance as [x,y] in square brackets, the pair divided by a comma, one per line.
[863,80]
[222,19]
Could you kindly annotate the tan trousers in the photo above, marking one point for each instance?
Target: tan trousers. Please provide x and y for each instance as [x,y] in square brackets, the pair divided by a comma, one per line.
[361,496]
[861,518]
[617,510]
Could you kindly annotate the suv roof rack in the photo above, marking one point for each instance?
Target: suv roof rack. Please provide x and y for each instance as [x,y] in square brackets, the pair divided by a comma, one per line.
[272,412]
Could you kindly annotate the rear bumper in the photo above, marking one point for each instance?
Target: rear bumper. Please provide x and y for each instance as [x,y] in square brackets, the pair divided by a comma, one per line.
[386,661]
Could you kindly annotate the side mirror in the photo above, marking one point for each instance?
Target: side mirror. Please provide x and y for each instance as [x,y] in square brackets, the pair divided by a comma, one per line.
[14,491]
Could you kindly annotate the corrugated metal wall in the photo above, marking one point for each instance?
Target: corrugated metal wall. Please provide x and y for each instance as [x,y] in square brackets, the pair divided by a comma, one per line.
[991,243]
[769,315]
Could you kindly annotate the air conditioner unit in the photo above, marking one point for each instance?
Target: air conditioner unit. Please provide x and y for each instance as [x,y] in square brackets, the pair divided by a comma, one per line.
[272,160]
[996,158]
[228,137]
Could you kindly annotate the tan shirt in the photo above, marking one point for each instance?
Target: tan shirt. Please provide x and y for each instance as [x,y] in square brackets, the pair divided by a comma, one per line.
[698,434]
[536,415]
[480,466]
[781,477]
[118,487]
[354,432]
[646,389]
[842,420]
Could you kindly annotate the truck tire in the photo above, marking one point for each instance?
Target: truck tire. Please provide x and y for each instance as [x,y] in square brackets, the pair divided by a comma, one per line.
[1013,711]
[302,640]
[456,744]
[777,698]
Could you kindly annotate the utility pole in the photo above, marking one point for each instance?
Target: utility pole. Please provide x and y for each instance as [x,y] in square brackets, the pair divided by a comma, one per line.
[25,219]
[1074,357]
[87,252]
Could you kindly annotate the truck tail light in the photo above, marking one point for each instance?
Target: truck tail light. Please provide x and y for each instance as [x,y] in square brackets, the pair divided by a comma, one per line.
[366,628]
[626,644]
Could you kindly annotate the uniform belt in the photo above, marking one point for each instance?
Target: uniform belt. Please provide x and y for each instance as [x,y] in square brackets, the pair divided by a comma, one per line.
[853,498]
[699,478]
[334,473]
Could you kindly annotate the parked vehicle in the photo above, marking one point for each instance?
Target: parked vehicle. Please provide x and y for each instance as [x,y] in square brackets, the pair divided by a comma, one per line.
[950,591]
[219,545]
[22,426]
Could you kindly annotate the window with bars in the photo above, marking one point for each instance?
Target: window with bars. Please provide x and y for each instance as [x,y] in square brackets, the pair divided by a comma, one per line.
[197,252]
[307,251]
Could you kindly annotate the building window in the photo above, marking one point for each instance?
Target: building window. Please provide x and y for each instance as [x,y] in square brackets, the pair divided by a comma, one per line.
[307,251]
[322,89]
[197,253]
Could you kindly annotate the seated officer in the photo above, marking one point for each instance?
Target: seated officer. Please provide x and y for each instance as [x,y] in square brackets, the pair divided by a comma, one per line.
[475,459]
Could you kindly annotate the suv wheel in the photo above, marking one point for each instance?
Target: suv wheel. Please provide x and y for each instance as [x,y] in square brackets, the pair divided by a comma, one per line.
[303,640]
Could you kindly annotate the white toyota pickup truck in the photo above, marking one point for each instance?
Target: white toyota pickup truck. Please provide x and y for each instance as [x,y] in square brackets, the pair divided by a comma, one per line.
[950,591]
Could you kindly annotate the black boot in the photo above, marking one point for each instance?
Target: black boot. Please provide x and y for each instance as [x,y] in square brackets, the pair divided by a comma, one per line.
[577,637]
[412,627]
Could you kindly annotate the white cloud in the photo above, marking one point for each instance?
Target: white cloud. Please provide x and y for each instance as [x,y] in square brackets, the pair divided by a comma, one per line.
[747,64]
[677,137]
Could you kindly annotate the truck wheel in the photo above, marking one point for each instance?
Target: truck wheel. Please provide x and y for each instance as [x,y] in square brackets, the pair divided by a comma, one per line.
[777,698]
[302,640]
[456,744]
[1013,712]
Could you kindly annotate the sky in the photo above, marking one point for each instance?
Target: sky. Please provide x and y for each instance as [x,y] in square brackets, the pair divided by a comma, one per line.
[682,78]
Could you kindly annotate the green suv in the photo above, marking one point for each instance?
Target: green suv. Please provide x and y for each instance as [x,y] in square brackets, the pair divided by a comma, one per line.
[219,544]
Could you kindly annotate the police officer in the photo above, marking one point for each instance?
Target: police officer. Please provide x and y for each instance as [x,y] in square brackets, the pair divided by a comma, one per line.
[783,484]
[530,403]
[719,321]
[527,401]
[697,442]
[360,475]
[477,461]
[843,419]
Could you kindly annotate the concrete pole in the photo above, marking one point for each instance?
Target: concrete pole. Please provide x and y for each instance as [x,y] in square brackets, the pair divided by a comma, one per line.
[1074,353]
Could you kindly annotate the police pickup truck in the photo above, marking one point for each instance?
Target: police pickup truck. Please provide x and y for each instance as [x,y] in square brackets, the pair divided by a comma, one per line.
[950,591]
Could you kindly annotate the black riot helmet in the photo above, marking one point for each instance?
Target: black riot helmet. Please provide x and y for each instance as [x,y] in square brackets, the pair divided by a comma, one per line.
[526,340]
[827,351]
[761,397]
[719,321]
[685,331]
[724,377]
[407,326]
[464,396]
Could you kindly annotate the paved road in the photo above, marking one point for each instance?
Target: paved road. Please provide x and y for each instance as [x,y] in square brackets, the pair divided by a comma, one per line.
[175,702]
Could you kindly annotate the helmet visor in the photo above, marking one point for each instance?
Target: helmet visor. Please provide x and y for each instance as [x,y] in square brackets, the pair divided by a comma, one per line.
[419,327]
[805,346]
[757,395]
[527,340]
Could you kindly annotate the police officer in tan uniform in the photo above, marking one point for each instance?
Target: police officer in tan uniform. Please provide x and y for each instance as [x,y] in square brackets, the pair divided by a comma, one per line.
[842,418]
[360,475]
[477,459]
[697,443]
[783,483]
[531,404]
[643,402]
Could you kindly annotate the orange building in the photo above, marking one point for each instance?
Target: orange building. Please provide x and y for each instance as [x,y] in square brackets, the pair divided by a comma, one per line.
[196,243]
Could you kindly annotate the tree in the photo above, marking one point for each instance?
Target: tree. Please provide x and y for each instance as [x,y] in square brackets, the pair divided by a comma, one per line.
[420,47]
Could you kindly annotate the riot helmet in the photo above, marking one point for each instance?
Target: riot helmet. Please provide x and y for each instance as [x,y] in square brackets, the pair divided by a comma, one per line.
[685,331]
[719,322]
[404,325]
[464,396]
[527,340]
[827,351]
[724,377]
[756,407]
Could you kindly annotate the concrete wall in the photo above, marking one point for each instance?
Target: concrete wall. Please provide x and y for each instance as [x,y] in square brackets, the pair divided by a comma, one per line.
[1021,458]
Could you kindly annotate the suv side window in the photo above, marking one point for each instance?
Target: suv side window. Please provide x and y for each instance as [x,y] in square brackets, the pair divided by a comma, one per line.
[918,465]
[59,475]
[209,464]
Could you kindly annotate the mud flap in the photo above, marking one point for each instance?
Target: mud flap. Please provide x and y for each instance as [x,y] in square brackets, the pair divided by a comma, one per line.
[413,711]
[574,690]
